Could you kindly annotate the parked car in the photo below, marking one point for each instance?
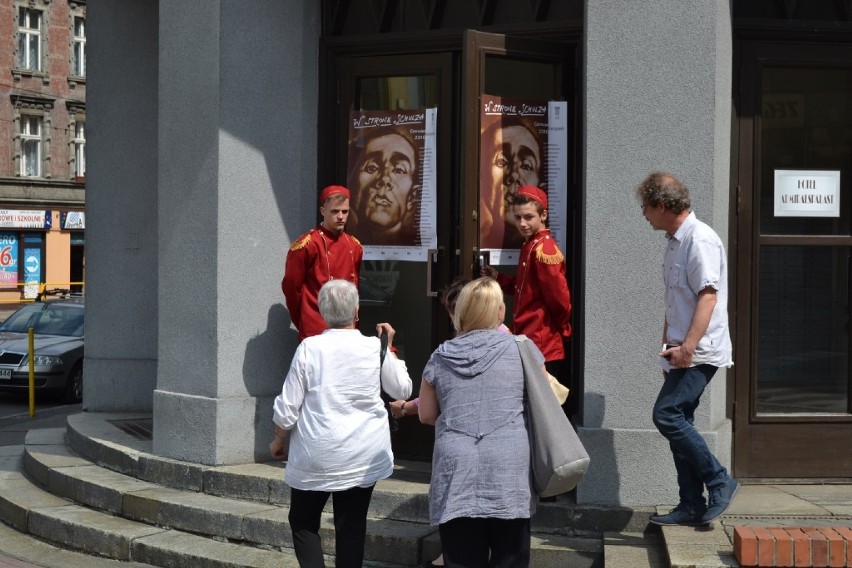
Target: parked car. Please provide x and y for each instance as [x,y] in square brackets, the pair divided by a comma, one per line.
[58,345]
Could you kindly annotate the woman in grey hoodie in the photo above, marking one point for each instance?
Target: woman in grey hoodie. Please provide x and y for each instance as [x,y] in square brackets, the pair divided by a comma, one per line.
[473,392]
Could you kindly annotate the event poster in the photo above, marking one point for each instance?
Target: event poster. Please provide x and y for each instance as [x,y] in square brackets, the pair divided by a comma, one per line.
[391,172]
[523,142]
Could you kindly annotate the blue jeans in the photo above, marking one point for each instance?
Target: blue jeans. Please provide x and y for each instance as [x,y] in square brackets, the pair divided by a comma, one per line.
[674,417]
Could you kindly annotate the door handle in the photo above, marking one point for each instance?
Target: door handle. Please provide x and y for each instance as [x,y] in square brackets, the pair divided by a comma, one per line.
[849,300]
[432,256]
[480,258]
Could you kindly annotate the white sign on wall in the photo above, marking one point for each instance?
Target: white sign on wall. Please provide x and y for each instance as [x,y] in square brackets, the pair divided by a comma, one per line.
[807,193]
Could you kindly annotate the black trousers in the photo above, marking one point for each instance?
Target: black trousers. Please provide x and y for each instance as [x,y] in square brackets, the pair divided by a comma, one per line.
[466,543]
[350,525]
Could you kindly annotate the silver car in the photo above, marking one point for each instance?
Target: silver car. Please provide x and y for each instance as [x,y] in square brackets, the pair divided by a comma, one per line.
[58,338]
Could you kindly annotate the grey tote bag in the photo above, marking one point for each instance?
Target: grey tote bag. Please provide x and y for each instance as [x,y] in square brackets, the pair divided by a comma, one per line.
[558,459]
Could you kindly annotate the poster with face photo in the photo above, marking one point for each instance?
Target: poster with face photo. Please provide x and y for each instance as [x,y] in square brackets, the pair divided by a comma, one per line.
[523,142]
[391,177]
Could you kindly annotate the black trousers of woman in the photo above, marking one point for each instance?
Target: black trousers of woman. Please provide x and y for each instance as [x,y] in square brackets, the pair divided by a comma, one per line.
[467,543]
[350,525]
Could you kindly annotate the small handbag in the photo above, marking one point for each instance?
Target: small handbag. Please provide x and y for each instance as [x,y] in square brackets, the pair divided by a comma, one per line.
[560,390]
[558,460]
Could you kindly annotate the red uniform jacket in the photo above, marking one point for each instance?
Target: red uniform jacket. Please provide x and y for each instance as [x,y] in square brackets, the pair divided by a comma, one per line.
[314,259]
[542,300]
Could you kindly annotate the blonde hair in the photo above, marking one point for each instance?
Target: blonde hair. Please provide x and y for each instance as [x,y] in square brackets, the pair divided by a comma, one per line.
[478,305]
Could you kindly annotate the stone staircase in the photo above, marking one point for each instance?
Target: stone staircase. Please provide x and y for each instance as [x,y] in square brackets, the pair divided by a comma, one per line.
[95,487]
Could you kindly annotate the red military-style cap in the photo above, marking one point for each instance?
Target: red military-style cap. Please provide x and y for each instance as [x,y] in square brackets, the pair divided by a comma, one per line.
[535,194]
[333,190]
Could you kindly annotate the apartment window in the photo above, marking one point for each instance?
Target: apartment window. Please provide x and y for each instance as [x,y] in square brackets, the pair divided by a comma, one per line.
[80,149]
[31,145]
[79,63]
[76,130]
[29,39]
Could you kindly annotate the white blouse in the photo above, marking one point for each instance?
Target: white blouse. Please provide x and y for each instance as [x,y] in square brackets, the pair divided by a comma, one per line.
[331,401]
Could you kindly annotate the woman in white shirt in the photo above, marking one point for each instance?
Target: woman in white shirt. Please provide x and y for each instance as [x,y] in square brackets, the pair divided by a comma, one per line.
[331,408]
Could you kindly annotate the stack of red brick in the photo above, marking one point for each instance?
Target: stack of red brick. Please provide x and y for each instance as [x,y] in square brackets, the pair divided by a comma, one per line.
[793,547]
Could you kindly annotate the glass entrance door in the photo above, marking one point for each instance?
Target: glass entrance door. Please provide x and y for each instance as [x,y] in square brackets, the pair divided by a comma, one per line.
[519,114]
[420,227]
[793,381]
[398,168]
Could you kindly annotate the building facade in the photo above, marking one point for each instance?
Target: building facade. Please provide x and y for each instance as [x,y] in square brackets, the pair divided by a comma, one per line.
[237,122]
[43,140]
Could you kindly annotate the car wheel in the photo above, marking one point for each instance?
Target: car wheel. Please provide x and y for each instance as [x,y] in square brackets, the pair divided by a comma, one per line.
[74,388]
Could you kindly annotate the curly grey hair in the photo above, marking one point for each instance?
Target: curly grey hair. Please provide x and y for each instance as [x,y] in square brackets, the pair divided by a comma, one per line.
[663,187]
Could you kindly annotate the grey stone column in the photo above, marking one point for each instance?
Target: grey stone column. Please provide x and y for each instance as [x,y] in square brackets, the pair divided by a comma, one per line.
[202,122]
[658,96]
[237,182]
[121,207]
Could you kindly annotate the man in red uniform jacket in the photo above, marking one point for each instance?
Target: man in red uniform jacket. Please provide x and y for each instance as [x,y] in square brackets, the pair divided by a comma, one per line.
[318,256]
[542,308]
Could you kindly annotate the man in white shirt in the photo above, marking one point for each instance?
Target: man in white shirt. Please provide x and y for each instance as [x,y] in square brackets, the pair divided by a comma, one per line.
[696,342]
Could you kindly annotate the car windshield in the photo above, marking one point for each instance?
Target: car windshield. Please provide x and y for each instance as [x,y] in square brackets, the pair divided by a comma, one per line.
[47,319]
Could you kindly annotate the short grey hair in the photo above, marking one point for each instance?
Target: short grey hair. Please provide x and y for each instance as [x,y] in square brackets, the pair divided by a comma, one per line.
[338,300]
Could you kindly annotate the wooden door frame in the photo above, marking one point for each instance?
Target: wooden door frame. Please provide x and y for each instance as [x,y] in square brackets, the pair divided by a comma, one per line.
[776,435]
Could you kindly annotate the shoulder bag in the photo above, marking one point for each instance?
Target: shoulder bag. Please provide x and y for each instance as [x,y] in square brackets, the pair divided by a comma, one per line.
[558,460]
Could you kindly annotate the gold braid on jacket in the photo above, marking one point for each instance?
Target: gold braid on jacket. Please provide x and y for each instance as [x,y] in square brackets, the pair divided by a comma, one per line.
[301,243]
[554,258]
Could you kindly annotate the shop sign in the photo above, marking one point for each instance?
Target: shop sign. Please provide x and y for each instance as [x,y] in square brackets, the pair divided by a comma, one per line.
[70,220]
[807,193]
[14,219]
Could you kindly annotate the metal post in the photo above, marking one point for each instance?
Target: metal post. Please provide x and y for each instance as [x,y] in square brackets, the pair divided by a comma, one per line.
[31,350]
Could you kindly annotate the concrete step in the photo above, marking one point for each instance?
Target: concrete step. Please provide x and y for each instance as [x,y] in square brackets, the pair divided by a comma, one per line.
[403,497]
[30,550]
[701,547]
[398,531]
[31,510]
[105,440]
[635,550]
[64,474]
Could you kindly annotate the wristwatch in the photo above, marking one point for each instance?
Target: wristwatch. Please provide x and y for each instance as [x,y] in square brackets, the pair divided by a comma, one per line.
[402,409]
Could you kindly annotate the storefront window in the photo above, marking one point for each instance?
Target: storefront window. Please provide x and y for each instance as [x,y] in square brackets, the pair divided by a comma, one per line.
[22,261]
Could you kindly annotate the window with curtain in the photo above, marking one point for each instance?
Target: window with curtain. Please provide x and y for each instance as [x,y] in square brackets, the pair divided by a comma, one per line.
[79,63]
[80,149]
[29,39]
[31,141]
